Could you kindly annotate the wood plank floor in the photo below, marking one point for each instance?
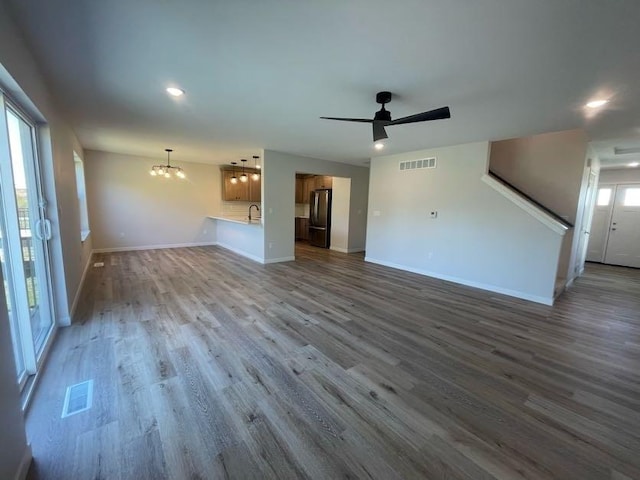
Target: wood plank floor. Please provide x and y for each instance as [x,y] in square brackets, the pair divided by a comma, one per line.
[208,365]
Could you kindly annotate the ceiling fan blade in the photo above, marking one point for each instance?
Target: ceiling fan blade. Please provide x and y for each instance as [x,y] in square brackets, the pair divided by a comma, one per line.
[361,120]
[379,132]
[437,114]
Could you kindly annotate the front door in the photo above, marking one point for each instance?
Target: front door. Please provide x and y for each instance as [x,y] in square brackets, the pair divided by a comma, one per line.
[623,247]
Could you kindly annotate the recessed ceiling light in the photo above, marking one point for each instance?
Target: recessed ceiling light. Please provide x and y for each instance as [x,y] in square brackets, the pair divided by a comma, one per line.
[634,164]
[597,103]
[378,145]
[176,92]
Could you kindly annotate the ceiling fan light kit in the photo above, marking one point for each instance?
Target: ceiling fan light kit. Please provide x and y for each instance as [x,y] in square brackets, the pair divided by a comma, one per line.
[382,118]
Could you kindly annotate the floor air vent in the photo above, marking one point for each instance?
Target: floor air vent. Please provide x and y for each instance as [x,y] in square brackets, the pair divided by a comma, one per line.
[415,164]
[78,398]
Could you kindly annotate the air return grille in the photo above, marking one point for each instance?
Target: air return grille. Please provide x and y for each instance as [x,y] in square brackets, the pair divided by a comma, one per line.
[78,398]
[415,164]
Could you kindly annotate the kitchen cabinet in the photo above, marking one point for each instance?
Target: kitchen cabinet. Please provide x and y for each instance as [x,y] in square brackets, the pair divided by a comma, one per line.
[255,190]
[308,186]
[302,228]
[250,191]
[300,190]
[323,181]
[238,191]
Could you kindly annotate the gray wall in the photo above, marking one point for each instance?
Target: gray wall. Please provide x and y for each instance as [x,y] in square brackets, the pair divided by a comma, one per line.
[278,191]
[21,77]
[128,208]
[479,238]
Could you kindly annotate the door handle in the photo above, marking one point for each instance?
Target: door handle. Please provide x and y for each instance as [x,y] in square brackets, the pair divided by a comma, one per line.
[47,229]
[38,230]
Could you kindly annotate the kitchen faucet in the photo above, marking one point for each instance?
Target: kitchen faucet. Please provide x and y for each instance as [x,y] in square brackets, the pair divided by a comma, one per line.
[250,207]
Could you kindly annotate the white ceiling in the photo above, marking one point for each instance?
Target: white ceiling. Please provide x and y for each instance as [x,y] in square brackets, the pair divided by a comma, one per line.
[259,73]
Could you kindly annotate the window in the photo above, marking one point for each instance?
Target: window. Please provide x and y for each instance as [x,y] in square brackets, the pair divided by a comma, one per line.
[82,197]
[632,197]
[604,197]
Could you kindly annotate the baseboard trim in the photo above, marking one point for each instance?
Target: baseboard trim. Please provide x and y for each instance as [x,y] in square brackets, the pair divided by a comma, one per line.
[153,247]
[250,256]
[76,298]
[468,283]
[279,260]
[347,250]
[25,463]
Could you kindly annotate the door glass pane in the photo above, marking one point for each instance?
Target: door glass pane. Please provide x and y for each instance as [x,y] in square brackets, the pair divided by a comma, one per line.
[21,148]
[604,197]
[632,197]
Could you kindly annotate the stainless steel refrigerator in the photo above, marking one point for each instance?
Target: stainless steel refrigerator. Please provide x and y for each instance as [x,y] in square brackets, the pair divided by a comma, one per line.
[320,218]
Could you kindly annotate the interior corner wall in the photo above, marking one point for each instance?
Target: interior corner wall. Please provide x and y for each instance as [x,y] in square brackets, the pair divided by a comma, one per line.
[129,209]
[278,197]
[21,77]
[478,238]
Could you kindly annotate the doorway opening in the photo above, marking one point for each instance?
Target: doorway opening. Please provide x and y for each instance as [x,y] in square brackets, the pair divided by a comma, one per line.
[322,211]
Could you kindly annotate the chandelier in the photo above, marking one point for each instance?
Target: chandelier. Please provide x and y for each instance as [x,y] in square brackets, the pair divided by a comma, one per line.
[167,170]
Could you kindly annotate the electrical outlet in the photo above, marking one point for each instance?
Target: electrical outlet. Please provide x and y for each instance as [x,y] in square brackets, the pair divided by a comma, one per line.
[270,245]
[433,214]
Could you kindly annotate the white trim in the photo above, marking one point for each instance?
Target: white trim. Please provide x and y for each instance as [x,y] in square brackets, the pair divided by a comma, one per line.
[468,283]
[25,463]
[532,209]
[250,256]
[278,260]
[347,250]
[153,247]
[76,298]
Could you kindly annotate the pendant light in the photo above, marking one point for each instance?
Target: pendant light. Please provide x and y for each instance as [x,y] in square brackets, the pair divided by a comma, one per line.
[243,177]
[255,176]
[234,179]
[166,170]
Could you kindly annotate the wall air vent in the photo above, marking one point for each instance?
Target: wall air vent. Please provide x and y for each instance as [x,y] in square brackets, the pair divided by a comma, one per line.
[415,164]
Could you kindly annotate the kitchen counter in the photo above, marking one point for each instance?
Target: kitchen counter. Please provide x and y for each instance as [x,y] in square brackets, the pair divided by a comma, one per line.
[238,219]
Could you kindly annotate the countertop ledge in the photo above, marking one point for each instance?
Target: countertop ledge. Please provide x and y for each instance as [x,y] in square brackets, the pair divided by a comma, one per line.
[238,219]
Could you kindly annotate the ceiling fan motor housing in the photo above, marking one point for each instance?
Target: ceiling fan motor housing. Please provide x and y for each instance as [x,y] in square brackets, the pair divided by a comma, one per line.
[383,97]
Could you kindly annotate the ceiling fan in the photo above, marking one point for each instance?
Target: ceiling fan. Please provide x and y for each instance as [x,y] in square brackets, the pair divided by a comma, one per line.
[382,118]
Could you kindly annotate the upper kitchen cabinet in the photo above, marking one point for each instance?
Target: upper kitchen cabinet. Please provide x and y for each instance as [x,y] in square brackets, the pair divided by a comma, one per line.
[255,189]
[249,191]
[323,181]
[300,190]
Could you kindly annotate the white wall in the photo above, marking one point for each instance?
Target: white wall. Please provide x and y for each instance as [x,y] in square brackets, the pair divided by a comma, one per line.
[479,238]
[246,240]
[278,200]
[619,175]
[20,76]
[340,211]
[128,208]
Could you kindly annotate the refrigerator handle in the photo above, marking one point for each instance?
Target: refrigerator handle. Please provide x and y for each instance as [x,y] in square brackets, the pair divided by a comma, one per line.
[316,207]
